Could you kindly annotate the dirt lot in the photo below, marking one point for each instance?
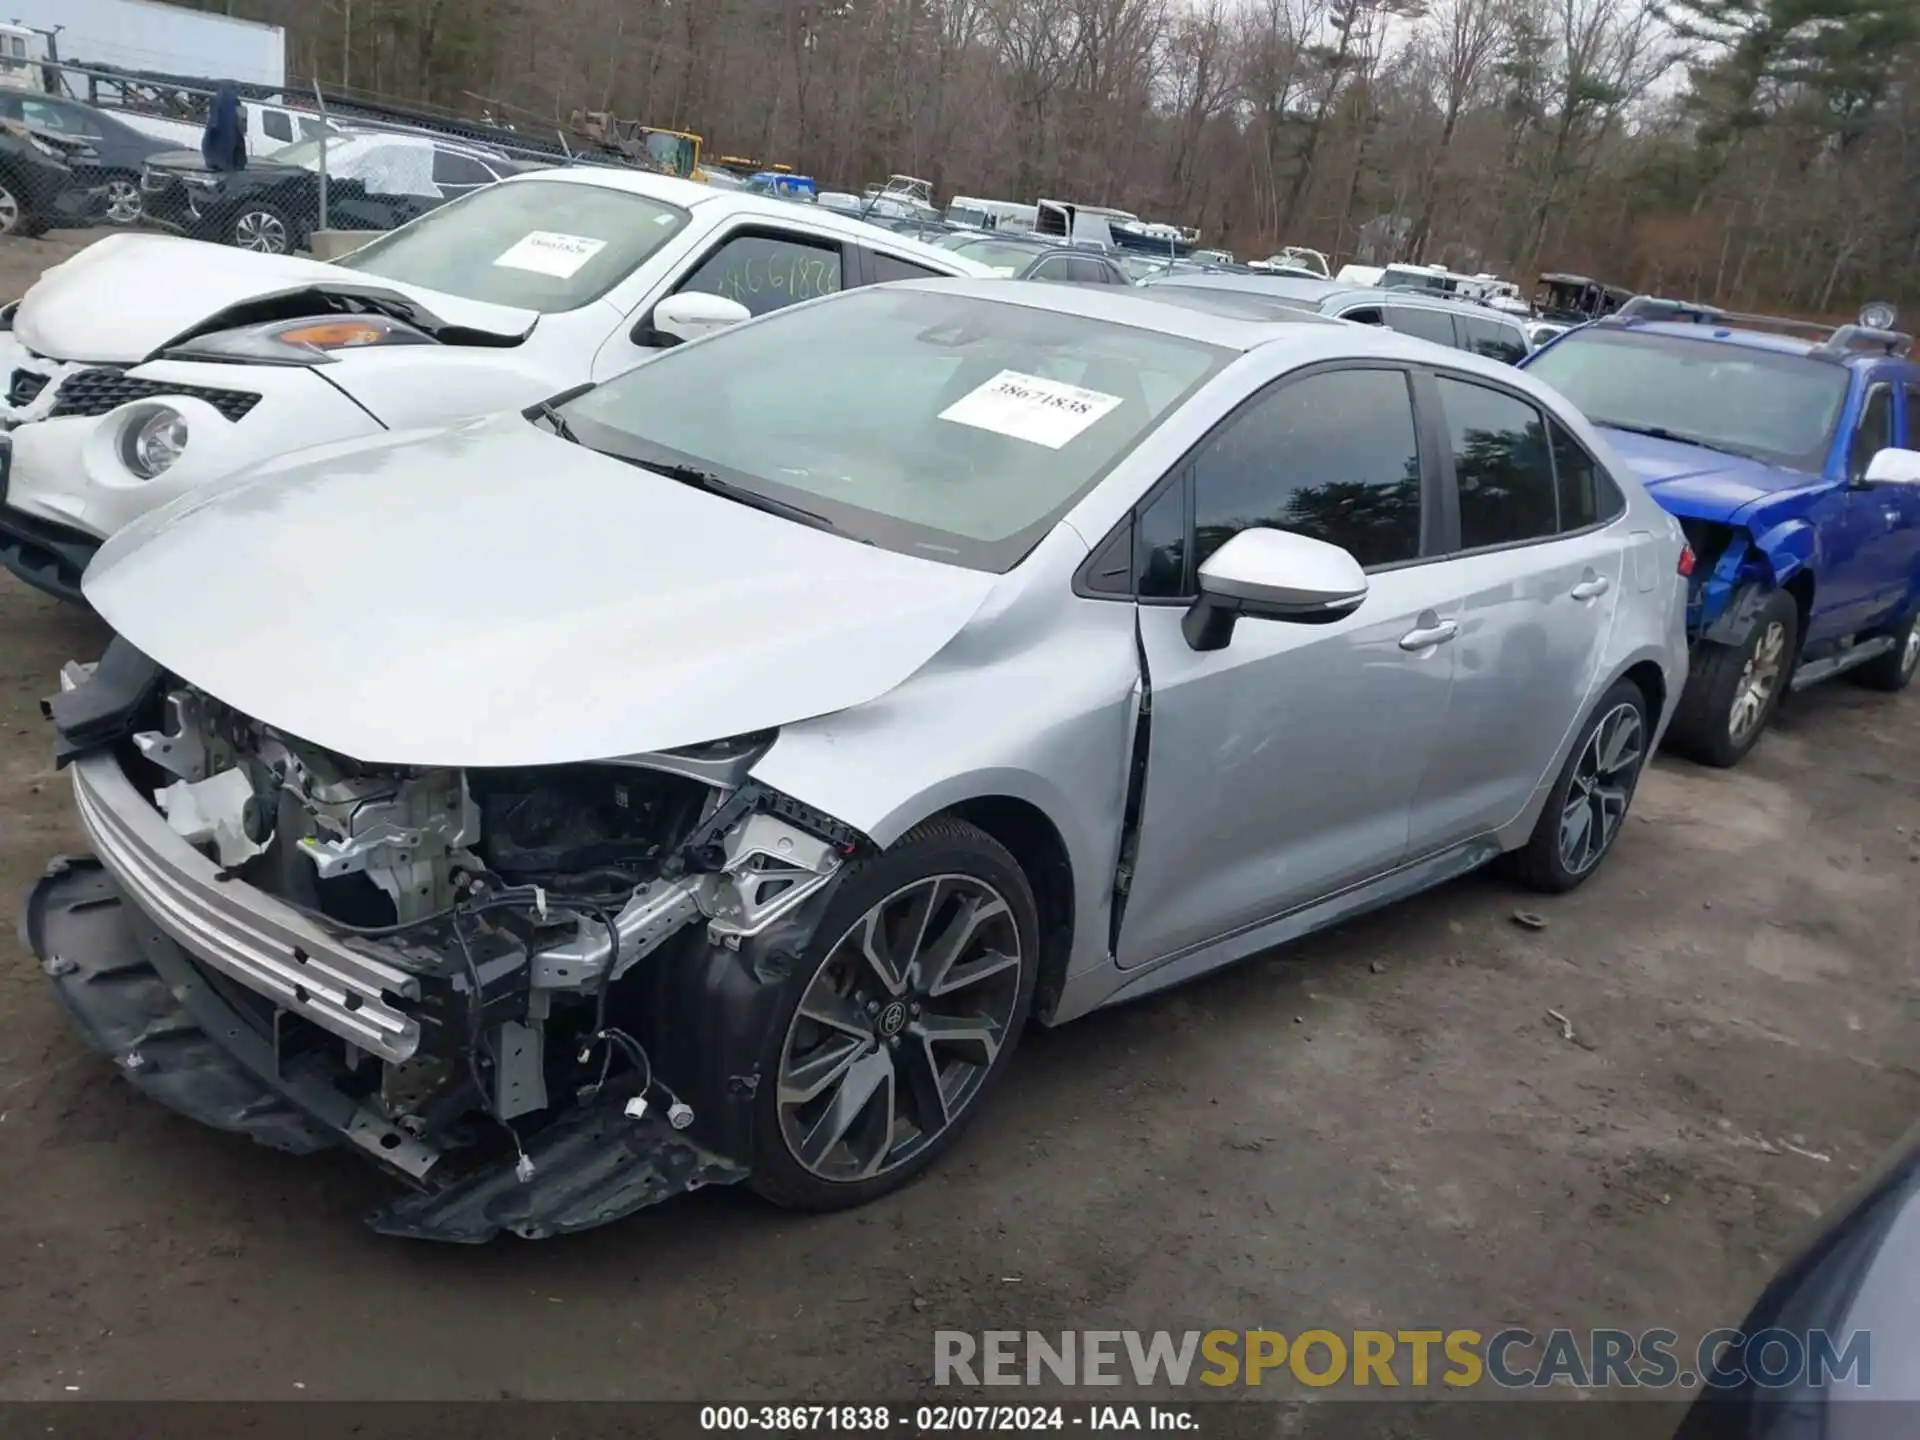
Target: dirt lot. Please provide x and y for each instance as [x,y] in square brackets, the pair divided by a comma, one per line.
[1382,1126]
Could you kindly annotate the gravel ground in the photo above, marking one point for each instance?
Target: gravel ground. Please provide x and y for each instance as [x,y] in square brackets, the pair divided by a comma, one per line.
[1381,1126]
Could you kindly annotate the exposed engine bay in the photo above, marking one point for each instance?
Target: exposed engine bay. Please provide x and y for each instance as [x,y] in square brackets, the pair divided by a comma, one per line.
[533,927]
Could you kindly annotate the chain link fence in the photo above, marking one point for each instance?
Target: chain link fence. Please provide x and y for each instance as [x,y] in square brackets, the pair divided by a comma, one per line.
[316,164]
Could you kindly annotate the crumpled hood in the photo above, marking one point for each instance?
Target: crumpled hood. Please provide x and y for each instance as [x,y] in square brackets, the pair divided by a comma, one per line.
[491,595]
[124,297]
[1694,481]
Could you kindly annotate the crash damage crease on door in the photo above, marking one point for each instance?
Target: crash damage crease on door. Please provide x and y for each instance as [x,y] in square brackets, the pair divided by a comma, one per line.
[487,980]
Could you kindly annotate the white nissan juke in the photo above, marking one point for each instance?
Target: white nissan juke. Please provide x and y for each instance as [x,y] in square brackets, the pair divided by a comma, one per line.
[148,365]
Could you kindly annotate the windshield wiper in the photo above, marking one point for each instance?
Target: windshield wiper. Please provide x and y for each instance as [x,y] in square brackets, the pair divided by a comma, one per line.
[711,483]
[546,410]
[1660,432]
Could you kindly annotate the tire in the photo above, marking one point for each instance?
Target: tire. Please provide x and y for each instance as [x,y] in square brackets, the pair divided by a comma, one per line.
[262,228]
[124,203]
[1599,779]
[16,217]
[1894,671]
[874,1033]
[1706,725]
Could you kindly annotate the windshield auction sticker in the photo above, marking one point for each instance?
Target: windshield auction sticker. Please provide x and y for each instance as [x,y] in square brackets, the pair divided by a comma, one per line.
[1031,408]
[548,252]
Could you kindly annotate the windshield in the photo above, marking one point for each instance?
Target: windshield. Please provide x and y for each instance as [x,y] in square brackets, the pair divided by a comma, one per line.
[674,154]
[1760,403]
[545,245]
[1007,257]
[937,425]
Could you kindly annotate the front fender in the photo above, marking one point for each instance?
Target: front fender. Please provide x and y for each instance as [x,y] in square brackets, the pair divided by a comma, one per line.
[417,385]
[1043,716]
[1789,548]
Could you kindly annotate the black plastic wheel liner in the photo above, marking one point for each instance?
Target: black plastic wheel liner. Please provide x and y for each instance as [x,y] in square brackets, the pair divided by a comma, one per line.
[133,993]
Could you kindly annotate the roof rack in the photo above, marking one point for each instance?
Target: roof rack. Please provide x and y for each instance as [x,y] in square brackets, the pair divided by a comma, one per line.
[1833,341]
[1851,338]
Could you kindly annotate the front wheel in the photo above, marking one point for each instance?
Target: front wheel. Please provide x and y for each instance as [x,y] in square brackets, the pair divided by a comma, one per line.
[1733,690]
[15,217]
[123,201]
[1588,804]
[898,1021]
[1894,671]
[263,229]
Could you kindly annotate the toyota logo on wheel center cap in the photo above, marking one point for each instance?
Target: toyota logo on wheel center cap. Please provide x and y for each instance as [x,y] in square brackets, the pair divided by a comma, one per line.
[893,1019]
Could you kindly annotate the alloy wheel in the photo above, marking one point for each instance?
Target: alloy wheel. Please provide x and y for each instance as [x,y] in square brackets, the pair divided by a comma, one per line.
[9,212]
[261,231]
[123,202]
[1602,785]
[1910,654]
[899,1028]
[1759,677]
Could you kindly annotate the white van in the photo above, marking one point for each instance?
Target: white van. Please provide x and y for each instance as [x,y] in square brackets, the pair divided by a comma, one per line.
[992,214]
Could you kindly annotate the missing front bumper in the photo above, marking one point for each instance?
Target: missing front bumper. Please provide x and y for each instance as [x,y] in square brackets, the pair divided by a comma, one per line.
[134,993]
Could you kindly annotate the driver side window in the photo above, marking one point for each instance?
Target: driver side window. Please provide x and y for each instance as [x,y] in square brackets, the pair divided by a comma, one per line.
[1875,431]
[767,272]
[1333,456]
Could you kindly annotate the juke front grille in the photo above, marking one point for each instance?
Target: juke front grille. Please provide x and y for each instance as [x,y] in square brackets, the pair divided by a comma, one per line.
[95,392]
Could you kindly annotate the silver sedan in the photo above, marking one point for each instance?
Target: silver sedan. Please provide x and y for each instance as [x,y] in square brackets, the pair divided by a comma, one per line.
[708,776]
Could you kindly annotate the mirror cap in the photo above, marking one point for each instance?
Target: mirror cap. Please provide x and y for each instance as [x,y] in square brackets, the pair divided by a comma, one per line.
[1280,572]
[692,314]
[1894,466]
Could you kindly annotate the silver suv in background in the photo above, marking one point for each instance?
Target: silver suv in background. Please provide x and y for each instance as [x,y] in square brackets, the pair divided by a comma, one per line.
[1456,324]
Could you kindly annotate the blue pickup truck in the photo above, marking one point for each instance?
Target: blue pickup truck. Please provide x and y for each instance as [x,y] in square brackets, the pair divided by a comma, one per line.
[1791,455]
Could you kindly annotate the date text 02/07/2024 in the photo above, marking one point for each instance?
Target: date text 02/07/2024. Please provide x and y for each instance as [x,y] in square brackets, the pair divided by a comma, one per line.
[944,1418]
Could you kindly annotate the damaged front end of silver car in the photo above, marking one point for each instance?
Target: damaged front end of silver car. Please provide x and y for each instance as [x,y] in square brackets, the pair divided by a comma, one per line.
[540,997]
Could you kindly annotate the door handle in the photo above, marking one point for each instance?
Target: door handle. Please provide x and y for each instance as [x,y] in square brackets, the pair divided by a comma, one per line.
[1427,636]
[1591,589]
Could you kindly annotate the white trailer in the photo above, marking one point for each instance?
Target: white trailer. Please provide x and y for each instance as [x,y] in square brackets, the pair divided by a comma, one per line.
[150,35]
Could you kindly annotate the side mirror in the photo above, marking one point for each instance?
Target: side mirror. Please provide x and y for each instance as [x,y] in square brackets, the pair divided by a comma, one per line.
[1893,467]
[688,316]
[1272,575]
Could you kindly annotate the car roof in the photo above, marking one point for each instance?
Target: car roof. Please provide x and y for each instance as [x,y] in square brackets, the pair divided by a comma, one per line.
[1742,337]
[1028,242]
[1724,335]
[692,195]
[1135,306]
[1239,304]
[1255,283]
[1329,293]
[1423,300]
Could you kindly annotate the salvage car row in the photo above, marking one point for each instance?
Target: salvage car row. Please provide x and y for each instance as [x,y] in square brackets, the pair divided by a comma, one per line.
[702,770]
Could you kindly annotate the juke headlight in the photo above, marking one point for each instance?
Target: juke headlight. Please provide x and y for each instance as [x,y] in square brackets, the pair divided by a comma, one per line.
[311,341]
